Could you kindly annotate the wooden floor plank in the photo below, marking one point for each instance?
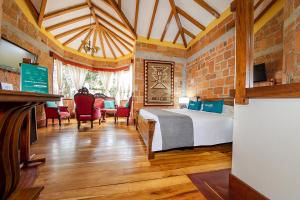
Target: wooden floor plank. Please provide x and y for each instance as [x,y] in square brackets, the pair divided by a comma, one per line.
[110,162]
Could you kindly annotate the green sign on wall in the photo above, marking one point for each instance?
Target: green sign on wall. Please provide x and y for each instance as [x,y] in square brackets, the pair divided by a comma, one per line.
[34,78]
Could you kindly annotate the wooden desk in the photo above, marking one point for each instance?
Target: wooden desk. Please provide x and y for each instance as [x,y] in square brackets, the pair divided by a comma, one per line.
[15,120]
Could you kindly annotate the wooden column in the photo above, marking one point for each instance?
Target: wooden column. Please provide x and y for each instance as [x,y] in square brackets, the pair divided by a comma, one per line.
[244,48]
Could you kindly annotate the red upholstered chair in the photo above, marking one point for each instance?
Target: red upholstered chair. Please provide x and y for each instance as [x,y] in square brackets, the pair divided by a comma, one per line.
[56,112]
[99,103]
[124,111]
[85,110]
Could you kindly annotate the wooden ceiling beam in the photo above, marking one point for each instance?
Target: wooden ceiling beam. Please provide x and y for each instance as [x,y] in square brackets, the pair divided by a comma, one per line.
[166,26]
[109,45]
[174,10]
[122,43]
[191,19]
[114,43]
[95,39]
[42,12]
[258,4]
[76,36]
[122,16]
[114,27]
[100,10]
[136,17]
[102,43]
[176,37]
[61,35]
[32,9]
[119,37]
[152,18]
[68,22]
[65,11]
[86,38]
[265,10]
[208,8]
[120,4]
[190,34]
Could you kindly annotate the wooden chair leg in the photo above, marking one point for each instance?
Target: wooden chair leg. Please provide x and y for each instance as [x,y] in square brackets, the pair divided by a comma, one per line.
[46,122]
[91,123]
[100,121]
[52,121]
[127,121]
[59,121]
[69,119]
[78,125]
[115,119]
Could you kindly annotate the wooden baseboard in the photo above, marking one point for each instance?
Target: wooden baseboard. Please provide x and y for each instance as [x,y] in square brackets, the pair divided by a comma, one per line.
[240,190]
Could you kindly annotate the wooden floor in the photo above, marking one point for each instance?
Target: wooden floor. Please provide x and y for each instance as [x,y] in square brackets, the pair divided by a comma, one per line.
[109,162]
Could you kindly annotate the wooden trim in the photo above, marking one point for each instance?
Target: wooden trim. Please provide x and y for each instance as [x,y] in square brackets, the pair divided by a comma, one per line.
[42,12]
[173,6]
[152,18]
[136,18]
[114,5]
[189,18]
[244,48]
[117,36]
[65,61]
[240,190]
[166,26]
[95,39]
[146,129]
[19,96]
[68,22]
[61,35]
[207,7]
[259,2]
[65,11]
[272,92]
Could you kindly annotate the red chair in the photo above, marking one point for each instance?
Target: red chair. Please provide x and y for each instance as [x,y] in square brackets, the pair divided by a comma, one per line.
[85,110]
[56,112]
[124,111]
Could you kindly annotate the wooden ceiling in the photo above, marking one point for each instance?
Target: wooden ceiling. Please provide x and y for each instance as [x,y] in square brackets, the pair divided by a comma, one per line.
[114,25]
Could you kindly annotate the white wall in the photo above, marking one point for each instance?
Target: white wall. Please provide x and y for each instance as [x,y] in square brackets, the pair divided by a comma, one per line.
[266,147]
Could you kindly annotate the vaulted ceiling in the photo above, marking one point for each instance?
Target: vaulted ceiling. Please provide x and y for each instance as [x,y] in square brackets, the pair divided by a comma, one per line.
[114,25]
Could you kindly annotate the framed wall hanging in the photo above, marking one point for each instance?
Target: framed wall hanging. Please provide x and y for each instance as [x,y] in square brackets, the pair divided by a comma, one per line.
[159,83]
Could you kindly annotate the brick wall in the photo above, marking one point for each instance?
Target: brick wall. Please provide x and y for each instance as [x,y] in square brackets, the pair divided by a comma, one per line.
[291,40]
[211,61]
[154,52]
[268,47]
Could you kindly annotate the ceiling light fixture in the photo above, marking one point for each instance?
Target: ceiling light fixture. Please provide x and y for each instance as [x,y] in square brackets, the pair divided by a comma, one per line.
[88,48]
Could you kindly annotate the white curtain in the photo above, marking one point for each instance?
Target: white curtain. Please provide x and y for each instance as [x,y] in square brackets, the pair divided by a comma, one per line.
[107,80]
[124,84]
[78,76]
[58,74]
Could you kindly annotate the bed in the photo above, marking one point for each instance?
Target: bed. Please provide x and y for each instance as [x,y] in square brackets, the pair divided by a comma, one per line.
[208,128]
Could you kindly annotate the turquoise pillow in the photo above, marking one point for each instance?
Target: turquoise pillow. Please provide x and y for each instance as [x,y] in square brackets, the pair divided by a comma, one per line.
[213,106]
[127,105]
[51,104]
[109,104]
[194,105]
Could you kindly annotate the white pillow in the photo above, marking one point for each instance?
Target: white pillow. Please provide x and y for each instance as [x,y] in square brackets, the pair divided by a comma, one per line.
[228,109]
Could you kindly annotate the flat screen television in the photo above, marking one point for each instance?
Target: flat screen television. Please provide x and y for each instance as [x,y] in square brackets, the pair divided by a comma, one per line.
[11,55]
[260,74]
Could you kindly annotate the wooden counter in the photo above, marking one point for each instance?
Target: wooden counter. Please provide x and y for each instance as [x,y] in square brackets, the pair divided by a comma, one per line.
[15,121]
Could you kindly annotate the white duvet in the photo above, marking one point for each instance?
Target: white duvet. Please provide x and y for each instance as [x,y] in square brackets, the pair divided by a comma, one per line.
[209,128]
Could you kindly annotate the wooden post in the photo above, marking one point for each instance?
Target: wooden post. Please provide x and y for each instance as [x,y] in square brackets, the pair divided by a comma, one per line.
[244,48]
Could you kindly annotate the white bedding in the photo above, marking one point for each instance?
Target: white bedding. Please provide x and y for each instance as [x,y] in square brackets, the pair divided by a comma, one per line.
[209,128]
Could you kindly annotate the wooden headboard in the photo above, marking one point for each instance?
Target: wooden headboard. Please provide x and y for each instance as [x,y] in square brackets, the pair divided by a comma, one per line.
[227,100]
